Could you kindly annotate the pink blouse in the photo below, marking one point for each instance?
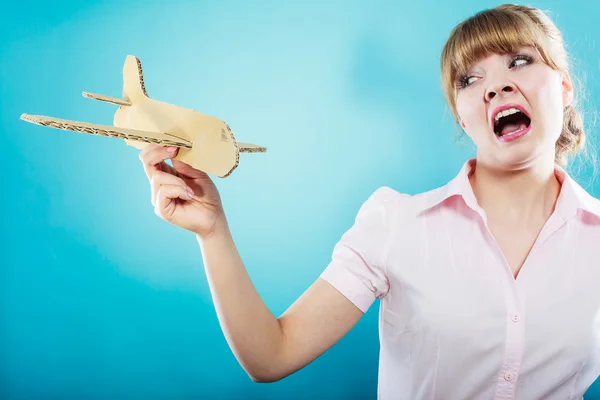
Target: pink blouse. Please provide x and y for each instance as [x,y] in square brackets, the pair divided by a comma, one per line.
[454,323]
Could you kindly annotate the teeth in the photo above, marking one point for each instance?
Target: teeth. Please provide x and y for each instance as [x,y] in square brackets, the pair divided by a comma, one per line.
[506,112]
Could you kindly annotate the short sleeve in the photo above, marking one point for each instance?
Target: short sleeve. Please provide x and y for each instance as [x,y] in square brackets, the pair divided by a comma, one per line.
[357,267]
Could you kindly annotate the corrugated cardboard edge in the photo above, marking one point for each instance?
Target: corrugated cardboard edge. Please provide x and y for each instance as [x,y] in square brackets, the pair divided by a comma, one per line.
[94,129]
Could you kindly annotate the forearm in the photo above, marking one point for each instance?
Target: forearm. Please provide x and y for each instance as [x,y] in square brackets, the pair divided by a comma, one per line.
[252,331]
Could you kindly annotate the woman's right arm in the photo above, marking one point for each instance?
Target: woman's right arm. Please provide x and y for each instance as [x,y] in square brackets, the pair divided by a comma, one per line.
[270,348]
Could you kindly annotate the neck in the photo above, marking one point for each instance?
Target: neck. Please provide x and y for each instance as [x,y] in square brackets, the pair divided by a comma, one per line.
[517,197]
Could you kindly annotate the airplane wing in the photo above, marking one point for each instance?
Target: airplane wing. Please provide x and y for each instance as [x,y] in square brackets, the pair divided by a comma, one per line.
[162,138]
[251,148]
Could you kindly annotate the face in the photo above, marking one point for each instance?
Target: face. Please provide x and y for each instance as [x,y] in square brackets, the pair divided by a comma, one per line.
[526,82]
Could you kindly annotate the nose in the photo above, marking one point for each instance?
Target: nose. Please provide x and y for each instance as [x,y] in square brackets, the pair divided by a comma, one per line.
[493,90]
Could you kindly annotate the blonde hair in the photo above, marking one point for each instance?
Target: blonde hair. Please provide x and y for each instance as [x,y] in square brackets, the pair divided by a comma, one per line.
[502,30]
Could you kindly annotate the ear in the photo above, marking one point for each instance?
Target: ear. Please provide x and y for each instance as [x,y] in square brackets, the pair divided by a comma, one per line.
[567,86]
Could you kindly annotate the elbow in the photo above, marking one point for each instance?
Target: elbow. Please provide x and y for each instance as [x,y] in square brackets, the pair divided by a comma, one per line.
[265,376]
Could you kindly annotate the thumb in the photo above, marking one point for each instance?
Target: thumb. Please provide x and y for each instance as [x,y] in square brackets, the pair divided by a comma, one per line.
[187,170]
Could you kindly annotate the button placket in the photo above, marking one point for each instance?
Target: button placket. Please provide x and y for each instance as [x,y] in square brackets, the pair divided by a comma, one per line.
[515,341]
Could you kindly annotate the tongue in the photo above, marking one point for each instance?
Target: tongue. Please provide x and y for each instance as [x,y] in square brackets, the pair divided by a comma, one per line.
[511,128]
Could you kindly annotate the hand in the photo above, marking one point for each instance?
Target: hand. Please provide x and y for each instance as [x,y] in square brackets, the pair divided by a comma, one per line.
[183,195]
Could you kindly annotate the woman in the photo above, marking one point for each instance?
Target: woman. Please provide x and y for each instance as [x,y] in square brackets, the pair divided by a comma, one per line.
[488,285]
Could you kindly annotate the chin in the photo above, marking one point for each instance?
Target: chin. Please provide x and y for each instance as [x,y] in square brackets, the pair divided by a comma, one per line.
[507,156]
[520,152]
[522,156]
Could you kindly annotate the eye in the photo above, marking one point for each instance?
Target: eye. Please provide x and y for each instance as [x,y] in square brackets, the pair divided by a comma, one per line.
[516,60]
[464,81]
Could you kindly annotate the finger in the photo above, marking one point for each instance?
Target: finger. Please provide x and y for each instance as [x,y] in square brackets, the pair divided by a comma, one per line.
[165,205]
[161,178]
[154,160]
[149,158]
[147,149]
[153,156]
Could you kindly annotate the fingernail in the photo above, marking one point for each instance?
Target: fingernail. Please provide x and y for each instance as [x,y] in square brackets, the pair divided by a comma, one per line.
[171,149]
[190,191]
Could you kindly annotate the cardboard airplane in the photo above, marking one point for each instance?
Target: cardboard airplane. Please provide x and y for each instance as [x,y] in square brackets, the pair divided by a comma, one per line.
[206,143]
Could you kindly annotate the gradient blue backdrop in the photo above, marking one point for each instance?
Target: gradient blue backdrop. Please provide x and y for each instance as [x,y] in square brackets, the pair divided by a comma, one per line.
[100,299]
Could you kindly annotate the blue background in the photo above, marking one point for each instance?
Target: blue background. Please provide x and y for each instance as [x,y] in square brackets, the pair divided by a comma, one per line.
[102,299]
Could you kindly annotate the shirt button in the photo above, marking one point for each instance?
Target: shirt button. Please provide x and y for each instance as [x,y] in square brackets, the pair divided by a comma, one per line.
[516,318]
[508,376]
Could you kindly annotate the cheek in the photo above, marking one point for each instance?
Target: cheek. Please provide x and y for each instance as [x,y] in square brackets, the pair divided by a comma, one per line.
[543,86]
[544,93]
[471,116]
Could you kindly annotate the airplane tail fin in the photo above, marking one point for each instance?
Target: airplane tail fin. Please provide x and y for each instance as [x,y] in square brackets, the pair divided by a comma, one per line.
[133,85]
[133,80]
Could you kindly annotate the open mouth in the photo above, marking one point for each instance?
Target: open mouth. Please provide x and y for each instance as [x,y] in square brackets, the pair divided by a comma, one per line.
[510,121]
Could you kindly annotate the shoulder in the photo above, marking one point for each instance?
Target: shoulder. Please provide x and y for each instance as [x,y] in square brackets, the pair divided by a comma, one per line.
[385,199]
[387,195]
[402,203]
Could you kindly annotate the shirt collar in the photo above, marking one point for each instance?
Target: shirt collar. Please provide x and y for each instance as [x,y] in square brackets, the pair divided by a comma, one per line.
[572,196]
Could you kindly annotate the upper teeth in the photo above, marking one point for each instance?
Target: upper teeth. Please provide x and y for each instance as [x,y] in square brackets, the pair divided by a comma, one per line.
[506,112]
